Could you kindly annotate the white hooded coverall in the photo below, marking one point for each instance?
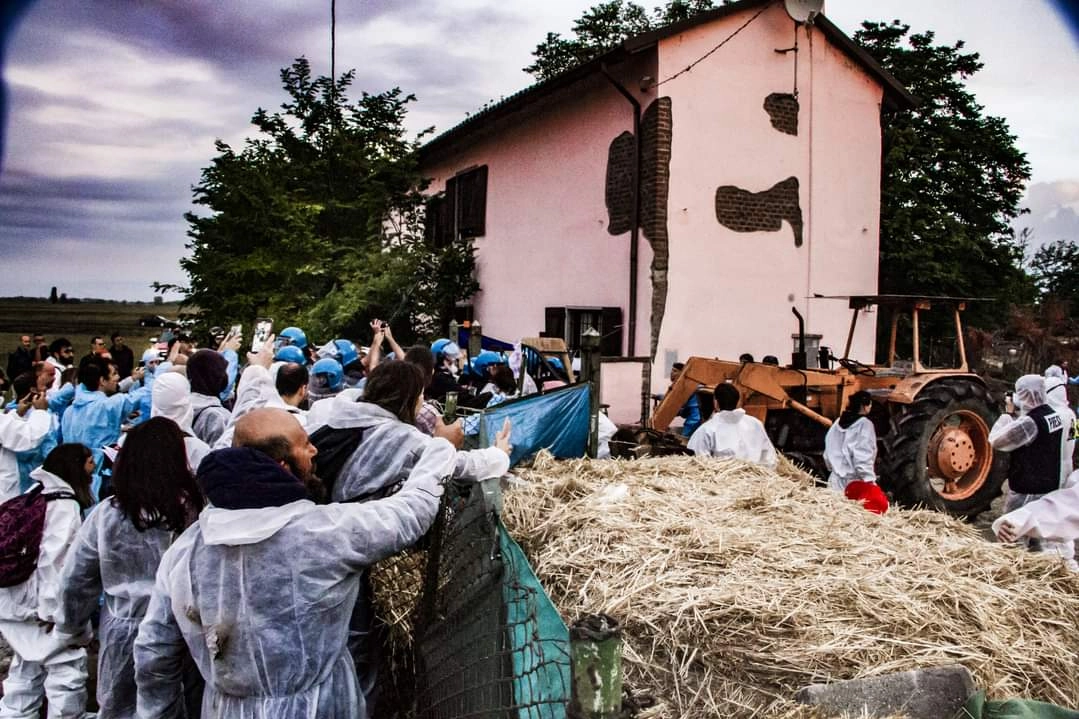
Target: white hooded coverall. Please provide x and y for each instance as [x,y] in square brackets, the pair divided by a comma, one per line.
[263,597]
[43,663]
[850,453]
[734,434]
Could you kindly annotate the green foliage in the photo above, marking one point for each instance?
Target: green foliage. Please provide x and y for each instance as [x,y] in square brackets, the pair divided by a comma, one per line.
[317,221]
[951,181]
[602,27]
[1056,270]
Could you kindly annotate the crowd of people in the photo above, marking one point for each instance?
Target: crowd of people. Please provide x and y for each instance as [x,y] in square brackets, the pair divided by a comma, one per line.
[215,518]
[226,515]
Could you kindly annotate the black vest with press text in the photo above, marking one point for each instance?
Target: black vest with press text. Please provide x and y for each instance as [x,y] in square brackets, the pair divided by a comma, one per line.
[1035,468]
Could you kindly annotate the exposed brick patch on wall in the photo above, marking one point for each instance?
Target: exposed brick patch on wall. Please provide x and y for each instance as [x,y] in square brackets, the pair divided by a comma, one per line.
[782,109]
[619,194]
[744,211]
[656,127]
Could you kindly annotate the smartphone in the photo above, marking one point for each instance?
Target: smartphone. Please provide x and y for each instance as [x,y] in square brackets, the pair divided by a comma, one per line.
[263,328]
[236,331]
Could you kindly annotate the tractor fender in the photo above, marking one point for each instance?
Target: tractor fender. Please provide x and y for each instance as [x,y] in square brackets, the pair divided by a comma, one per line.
[909,388]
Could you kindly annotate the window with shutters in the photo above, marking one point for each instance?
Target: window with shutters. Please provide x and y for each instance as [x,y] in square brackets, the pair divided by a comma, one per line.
[569,322]
[459,211]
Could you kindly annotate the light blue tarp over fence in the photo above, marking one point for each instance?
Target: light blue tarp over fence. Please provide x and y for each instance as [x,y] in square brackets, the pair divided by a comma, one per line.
[556,421]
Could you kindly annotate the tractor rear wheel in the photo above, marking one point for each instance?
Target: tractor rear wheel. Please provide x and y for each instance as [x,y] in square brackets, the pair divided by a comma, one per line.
[938,454]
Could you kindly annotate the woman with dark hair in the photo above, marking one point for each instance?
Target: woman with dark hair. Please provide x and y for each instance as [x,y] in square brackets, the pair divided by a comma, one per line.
[119,547]
[850,447]
[390,443]
[44,663]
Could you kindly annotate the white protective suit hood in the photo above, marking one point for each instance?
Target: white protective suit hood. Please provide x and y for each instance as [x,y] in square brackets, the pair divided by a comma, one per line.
[1056,392]
[171,398]
[234,527]
[1030,392]
[1054,371]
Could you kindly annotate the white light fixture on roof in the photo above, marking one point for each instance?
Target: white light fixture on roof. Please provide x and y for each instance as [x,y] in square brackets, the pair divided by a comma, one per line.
[803,11]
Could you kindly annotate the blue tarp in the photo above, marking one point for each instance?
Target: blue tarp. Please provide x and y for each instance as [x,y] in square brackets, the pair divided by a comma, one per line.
[539,639]
[556,421]
[487,343]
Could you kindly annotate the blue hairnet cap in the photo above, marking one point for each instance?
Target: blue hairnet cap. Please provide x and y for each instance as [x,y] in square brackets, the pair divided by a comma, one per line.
[332,371]
[485,359]
[294,335]
[151,355]
[346,351]
[290,353]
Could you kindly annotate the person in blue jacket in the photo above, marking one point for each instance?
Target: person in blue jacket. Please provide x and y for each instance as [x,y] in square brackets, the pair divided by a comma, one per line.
[99,410]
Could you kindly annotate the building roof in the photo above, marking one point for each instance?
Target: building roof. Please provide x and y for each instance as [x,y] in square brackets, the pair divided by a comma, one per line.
[896,97]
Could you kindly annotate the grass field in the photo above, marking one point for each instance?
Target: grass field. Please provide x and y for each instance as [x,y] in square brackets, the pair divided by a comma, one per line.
[78,322]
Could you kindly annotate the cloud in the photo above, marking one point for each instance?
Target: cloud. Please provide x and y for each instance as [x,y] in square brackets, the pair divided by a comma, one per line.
[1054,213]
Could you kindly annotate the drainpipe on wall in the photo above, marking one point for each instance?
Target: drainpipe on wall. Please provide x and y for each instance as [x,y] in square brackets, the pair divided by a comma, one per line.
[635,232]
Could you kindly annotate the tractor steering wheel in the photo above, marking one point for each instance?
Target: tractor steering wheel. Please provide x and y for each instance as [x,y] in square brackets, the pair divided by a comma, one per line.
[856,367]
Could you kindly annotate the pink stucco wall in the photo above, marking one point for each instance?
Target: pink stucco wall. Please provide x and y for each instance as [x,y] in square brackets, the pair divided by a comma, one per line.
[731,292]
[547,243]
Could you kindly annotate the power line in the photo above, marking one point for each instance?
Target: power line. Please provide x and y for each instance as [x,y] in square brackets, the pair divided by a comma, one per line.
[708,54]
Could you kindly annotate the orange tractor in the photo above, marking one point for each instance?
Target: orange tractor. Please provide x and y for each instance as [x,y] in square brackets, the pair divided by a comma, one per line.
[932,423]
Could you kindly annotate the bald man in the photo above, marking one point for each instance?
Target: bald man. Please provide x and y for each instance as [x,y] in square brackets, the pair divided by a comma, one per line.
[260,590]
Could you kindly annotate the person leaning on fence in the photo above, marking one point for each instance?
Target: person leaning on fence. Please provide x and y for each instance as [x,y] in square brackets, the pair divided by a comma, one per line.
[118,549]
[260,590]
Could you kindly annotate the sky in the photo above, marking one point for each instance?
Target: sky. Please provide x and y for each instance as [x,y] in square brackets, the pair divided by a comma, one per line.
[113,106]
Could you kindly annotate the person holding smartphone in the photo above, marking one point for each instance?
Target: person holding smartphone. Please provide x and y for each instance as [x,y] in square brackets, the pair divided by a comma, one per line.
[21,430]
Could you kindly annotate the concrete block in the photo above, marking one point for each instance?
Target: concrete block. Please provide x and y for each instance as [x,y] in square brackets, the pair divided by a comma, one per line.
[933,693]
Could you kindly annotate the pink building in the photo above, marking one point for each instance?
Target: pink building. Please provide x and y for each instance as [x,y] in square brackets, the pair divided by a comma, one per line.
[758,143]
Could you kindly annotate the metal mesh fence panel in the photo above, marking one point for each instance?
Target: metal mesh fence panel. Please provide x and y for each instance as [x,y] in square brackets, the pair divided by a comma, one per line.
[481,638]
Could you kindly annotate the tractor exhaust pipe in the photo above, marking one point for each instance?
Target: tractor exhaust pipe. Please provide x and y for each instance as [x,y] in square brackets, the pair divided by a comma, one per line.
[799,359]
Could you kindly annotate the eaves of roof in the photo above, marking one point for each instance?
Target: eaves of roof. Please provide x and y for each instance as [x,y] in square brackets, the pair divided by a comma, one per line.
[896,97]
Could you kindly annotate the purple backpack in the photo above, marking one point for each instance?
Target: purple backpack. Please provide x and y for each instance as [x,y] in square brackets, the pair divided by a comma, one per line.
[22,524]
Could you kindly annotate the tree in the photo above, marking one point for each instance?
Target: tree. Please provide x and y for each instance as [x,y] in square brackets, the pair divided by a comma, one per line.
[602,27]
[951,180]
[1056,270]
[317,221]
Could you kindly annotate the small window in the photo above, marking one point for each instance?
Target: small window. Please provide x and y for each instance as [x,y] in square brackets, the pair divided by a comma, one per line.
[569,322]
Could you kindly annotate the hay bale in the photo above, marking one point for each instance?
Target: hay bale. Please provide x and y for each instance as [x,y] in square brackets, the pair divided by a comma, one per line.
[737,585]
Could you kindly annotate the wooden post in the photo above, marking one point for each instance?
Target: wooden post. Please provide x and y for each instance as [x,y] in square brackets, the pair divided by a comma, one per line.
[596,657]
[590,370]
[475,340]
[455,331]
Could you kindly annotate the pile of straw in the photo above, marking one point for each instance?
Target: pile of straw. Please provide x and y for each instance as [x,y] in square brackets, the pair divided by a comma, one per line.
[736,585]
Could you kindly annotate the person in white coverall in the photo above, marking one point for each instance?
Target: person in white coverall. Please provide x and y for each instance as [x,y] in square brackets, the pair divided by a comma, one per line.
[1056,394]
[730,432]
[45,662]
[260,590]
[21,430]
[1054,518]
[850,446]
[1034,433]
[118,550]
[172,399]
